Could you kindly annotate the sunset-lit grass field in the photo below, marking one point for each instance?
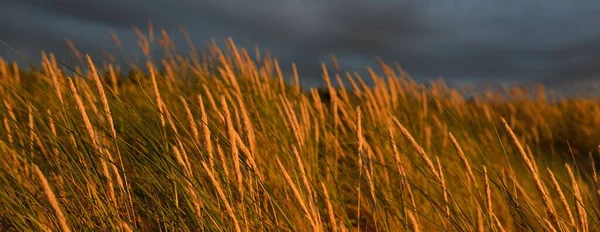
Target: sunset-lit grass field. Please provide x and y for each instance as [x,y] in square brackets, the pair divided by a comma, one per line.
[224,142]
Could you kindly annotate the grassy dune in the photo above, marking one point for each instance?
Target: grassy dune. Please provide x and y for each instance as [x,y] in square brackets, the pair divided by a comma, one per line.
[221,142]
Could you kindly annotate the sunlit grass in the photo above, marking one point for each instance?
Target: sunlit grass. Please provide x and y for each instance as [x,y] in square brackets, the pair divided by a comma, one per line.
[227,143]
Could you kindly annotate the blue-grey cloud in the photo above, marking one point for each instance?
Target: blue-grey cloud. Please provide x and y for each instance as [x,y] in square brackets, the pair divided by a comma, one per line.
[551,41]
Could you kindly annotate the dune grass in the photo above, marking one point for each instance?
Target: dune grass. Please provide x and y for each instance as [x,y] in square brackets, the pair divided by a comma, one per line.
[224,142]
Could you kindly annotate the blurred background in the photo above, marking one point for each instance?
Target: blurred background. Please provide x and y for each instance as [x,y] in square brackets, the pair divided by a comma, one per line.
[464,41]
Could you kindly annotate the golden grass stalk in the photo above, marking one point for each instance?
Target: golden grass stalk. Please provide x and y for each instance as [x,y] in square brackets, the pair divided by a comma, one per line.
[125,226]
[444,188]
[8,130]
[250,156]
[84,115]
[17,75]
[306,116]
[533,170]
[355,88]
[414,222]
[411,196]
[330,211]
[292,119]
[3,69]
[111,191]
[359,137]
[318,104]
[170,76]
[52,129]
[233,146]
[236,53]
[222,196]
[283,114]
[223,160]
[62,219]
[526,197]
[190,117]
[114,169]
[549,225]
[55,81]
[109,118]
[189,186]
[103,98]
[279,75]
[159,101]
[247,124]
[418,148]
[342,89]
[206,131]
[400,168]
[297,195]
[74,50]
[595,176]
[10,109]
[361,142]
[229,73]
[31,126]
[89,97]
[113,78]
[464,160]
[488,195]
[185,156]
[562,198]
[303,174]
[170,120]
[480,223]
[305,181]
[142,42]
[330,88]
[235,113]
[92,134]
[498,224]
[579,205]
[114,37]
[212,101]
[370,175]
[296,78]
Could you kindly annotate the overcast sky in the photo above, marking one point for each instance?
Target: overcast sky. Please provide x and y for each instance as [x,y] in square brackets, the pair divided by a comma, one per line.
[554,41]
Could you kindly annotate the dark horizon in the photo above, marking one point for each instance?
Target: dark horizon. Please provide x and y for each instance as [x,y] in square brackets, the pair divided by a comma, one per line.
[551,42]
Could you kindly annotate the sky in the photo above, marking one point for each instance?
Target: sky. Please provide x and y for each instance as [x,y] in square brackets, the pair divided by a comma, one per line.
[555,42]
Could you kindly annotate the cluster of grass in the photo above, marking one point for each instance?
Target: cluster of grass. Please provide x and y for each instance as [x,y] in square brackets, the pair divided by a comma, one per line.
[222,142]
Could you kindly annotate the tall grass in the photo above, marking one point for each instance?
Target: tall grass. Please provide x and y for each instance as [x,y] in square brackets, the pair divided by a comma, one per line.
[221,141]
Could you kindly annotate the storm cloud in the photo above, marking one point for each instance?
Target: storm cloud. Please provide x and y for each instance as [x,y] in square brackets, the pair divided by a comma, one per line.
[551,41]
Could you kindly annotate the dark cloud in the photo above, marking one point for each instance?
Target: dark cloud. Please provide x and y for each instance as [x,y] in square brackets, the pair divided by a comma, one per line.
[550,41]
